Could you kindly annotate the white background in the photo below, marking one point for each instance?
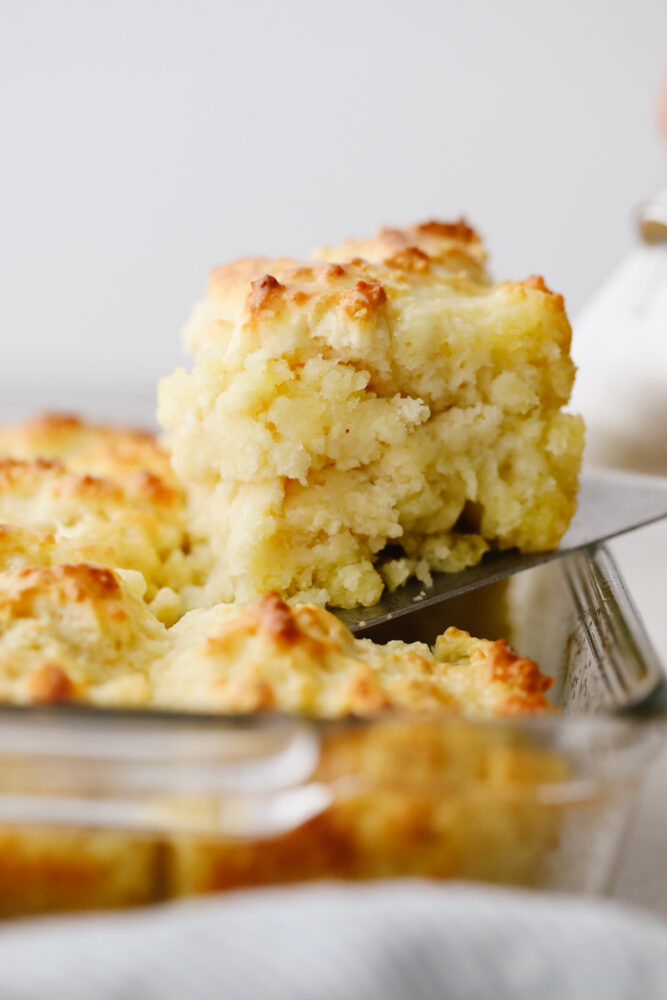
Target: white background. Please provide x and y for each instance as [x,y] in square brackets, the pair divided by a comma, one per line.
[143,142]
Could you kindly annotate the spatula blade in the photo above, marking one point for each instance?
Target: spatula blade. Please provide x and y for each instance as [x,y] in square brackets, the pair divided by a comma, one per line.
[609,504]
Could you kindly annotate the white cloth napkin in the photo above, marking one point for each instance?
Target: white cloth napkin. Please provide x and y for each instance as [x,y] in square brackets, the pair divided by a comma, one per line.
[388,941]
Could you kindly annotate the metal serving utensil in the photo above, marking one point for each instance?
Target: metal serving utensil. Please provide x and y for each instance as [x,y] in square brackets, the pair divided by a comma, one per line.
[609,504]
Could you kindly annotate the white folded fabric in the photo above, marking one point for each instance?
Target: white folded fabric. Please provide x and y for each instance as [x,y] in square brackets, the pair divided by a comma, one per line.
[409,940]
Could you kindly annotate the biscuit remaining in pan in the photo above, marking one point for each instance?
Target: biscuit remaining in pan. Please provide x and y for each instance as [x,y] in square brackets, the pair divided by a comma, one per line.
[388,411]
[75,492]
[426,800]
[75,633]
[302,659]
[78,633]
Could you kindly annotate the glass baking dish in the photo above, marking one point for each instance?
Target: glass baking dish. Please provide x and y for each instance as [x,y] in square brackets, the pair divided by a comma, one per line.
[106,808]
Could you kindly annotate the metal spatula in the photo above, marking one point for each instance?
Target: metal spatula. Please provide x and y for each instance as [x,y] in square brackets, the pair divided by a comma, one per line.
[609,504]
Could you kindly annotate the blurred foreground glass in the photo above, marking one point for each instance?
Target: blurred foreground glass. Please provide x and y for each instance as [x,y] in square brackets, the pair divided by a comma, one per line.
[103,808]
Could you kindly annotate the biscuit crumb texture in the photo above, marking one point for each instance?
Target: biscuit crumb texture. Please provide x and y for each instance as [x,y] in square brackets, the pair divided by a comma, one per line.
[381,412]
[72,492]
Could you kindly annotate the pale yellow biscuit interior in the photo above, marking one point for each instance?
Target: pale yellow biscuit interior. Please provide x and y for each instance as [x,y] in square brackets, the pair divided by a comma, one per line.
[388,412]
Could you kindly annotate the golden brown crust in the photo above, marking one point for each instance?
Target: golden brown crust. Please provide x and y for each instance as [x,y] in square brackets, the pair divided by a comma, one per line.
[507,666]
[411,259]
[76,492]
[50,685]
[62,433]
[357,270]
[455,244]
[74,632]
[459,230]
[20,547]
[265,297]
[363,299]
[264,286]
[300,658]
[243,271]
[72,583]
[95,449]
[29,475]
[276,619]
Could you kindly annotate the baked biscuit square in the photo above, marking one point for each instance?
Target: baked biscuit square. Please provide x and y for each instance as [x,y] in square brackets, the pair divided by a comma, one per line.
[384,412]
